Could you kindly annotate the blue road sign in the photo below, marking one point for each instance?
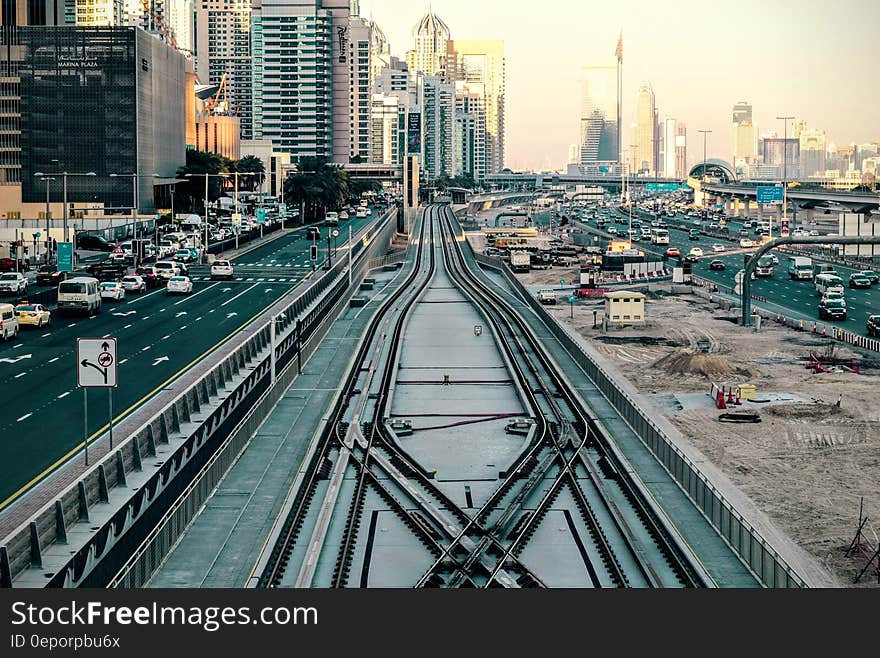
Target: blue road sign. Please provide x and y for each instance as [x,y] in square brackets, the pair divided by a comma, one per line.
[65,257]
[768,194]
[261,215]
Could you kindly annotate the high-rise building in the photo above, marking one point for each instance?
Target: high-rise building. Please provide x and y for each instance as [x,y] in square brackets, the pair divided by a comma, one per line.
[361,88]
[430,38]
[599,134]
[668,162]
[380,53]
[99,13]
[742,111]
[301,77]
[681,169]
[645,146]
[480,65]
[471,135]
[745,137]
[812,152]
[223,54]
[388,134]
[862,152]
[784,154]
[437,103]
[171,20]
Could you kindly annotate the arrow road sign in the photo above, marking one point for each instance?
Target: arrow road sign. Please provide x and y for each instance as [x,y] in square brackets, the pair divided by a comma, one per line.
[96,362]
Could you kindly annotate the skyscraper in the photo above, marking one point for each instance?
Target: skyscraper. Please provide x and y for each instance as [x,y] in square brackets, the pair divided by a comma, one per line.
[437,103]
[480,66]
[742,111]
[681,169]
[430,38]
[668,162]
[171,20]
[645,146]
[99,13]
[745,137]
[812,152]
[599,138]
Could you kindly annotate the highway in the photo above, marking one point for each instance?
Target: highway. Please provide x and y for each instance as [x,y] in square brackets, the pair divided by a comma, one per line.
[159,337]
[798,297]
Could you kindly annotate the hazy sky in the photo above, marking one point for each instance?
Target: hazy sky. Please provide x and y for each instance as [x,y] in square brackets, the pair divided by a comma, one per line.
[814,59]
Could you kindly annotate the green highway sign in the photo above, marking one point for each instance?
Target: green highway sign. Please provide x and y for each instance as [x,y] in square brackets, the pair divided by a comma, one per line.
[661,187]
[65,257]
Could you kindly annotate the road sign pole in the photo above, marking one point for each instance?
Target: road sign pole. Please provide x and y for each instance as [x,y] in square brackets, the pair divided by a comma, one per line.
[86,421]
[110,400]
[350,249]
[272,347]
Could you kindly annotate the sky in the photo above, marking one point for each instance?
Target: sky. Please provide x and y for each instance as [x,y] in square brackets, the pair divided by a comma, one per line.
[816,60]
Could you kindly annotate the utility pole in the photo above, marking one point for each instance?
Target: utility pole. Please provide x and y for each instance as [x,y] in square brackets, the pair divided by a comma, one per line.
[705,138]
[784,176]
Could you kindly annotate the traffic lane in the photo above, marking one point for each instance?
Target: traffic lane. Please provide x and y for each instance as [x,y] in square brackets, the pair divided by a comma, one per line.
[47,423]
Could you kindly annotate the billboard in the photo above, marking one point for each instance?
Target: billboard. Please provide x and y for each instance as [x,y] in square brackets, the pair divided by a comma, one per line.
[414,133]
[769,194]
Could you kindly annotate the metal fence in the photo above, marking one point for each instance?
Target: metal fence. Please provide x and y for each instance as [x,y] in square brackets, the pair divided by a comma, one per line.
[227,393]
[768,566]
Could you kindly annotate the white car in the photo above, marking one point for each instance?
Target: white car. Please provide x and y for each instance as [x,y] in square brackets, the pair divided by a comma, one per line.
[221,269]
[179,285]
[746,243]
[343,215]
[165,269]
[14,283]
[718,248]
[814,232]
[696,251]
[112,290]
[133,283]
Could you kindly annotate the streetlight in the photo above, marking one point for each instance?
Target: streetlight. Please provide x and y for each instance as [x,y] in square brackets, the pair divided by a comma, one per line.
[205,247]
[235,199]
[47,179]
[705,138]
[785,120]
[64,175]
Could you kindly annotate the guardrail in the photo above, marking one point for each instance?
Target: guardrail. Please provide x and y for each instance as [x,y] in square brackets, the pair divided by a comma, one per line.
[229,394]
[768,566]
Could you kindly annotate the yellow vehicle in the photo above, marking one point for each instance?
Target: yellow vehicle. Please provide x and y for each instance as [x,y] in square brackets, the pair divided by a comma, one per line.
[34,315]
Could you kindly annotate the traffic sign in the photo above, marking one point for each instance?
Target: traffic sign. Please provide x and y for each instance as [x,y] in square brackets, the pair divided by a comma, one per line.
[769,194]
[65,256]
[313,252]
[96,362]
[335,233]
[261,215]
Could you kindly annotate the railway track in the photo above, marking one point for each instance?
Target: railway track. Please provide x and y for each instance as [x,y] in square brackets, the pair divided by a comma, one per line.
[368,513]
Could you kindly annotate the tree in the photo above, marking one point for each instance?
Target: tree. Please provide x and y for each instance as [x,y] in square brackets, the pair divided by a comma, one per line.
[317,187]
[190,196]
[250,164]
[359,187]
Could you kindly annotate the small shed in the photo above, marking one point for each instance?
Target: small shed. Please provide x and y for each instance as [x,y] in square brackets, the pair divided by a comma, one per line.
[624,307]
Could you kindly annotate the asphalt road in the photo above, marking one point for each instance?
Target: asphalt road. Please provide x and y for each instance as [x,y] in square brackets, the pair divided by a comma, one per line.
[798,297]
[159,336]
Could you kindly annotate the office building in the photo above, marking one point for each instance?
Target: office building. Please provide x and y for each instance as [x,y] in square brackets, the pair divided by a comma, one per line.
[99,13]
[170,20]
[301,93]
[472,139]
[742,111]
[430,39]
[745,143]
[223,54]
[779,151]
[388,135]
[599,130]
[645,144]
[812,146]
[668,161]
[681,168]
[210,128]
[480,65]
[102,100]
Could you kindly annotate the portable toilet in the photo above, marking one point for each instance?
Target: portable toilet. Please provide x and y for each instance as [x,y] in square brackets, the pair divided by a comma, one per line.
[624,307]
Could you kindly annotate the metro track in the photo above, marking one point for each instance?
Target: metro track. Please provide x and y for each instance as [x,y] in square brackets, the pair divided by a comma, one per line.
[568,468]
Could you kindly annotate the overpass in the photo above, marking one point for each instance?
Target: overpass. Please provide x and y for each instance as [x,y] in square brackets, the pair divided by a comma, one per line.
[377,172]
[531,181]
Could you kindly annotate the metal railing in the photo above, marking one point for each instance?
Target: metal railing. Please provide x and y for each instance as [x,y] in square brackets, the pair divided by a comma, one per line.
[766,564]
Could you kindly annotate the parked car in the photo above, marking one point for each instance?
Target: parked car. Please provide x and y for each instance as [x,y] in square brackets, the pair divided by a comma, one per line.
[112,290]
[13,283]
[133,283]
[181,285]
[717,265]
[34,315]
[547,296]
[856,280]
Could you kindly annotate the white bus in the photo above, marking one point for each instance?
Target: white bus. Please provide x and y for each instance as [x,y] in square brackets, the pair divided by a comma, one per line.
[659,236]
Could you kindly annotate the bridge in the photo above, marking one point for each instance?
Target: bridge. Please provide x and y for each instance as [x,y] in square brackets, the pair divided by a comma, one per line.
[532,181]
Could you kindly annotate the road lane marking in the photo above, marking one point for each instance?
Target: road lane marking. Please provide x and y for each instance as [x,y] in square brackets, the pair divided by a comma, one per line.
[232,299]
[54,360]
[123,361]
[125,327]
[144,349]
[21,374]
[188,297]
[63,395]
[26,416]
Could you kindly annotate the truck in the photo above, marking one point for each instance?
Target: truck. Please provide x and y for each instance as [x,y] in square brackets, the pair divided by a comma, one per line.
[547,296]
[520,261]
[800,268]
[764,266]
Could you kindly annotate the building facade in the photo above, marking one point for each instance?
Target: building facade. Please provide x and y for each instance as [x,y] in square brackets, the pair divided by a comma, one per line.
[437,104]
[645,146]
[783,154]
[681,166]
[599,131]
[430,46]
[668,160]
[812,146]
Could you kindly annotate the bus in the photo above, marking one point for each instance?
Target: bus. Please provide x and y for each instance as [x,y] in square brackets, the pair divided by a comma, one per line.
[331,218]
[659,236]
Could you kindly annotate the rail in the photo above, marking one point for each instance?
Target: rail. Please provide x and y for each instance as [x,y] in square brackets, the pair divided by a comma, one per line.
[767,565]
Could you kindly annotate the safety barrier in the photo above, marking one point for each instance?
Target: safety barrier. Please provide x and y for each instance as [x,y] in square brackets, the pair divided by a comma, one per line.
[767,565]
[229,395]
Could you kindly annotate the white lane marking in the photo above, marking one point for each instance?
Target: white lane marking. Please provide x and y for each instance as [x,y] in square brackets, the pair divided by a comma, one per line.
[166,337]
[21,374]
[187,298]
[183,327]
[48,334]
[232,299]
[64,395]
[123,361]
[54,360]
[72,324]
[144,349]
[144,296]
[25,417]
[198,318]
[17,346]
[125,327]
[161,310]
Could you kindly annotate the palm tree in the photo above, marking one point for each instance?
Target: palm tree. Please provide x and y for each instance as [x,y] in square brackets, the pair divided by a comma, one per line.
[253,165]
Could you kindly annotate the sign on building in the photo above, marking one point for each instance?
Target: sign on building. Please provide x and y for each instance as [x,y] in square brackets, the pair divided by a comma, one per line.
[414,133]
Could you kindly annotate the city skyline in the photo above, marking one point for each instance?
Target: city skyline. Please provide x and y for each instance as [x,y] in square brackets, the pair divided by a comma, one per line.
[542,121]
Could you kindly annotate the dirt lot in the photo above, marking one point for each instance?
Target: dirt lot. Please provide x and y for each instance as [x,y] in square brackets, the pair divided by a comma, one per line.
[807,463]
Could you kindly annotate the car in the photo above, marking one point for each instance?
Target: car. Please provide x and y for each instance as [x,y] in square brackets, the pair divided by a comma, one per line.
[343,215]
[718,248]
[870,275]
[112,290]
[151,279]
[696,251]
[48,275]
[547,296]
[611,230]
[107,270]
[673,252]
[775,259]
[856,280]
[872,325]
[133,283]
[221,269]
[717,265]
[181,285]
[832,309]
[182,269]
[34,315]
[814,232]
[690,258]
[165,269]
[694,234]
[13,283]
[183,254]
[746,243]
[834,294]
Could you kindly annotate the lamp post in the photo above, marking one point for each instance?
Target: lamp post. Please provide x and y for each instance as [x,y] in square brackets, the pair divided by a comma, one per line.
[785,121]
[705,160]
[204,258]
[64,175]
[47,179]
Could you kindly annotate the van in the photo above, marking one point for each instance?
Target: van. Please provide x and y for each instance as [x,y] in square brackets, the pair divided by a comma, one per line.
[8,322]
[79,294]
[828,283]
